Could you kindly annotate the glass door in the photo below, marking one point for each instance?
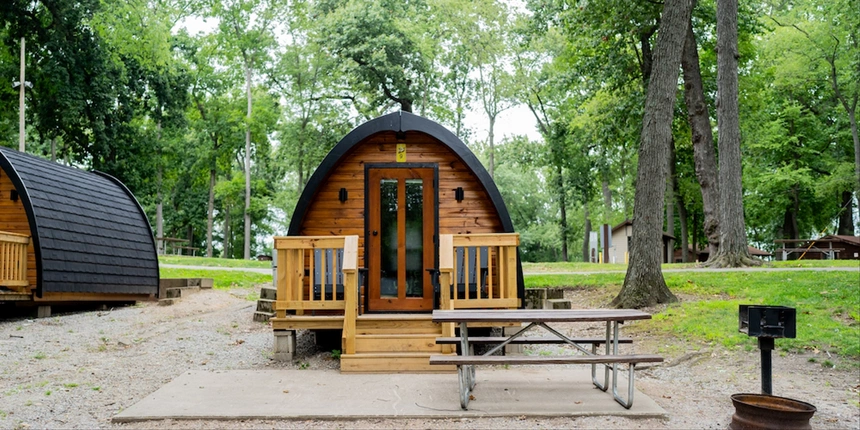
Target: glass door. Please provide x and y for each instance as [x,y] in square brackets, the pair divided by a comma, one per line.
[401,226]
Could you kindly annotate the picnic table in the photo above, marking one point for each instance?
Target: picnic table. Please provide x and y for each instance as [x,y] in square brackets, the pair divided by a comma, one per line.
[533,318]
[173,242]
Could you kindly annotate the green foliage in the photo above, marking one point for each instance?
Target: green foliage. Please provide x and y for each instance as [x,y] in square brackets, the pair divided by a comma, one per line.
[181,260]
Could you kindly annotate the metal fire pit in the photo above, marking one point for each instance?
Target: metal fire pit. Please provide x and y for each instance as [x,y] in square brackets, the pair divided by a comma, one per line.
[767,323]
[760,412]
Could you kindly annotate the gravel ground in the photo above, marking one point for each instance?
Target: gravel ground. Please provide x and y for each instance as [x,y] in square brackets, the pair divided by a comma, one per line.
[77,370]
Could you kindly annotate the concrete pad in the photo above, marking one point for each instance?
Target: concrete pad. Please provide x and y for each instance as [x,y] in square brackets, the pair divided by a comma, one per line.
[321,394]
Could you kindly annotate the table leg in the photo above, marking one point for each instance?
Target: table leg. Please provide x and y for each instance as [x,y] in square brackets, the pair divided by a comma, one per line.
[607,351]
[465,372]
[629,402]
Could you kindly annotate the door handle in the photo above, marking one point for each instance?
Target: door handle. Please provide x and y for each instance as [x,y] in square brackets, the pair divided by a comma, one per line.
[375,232]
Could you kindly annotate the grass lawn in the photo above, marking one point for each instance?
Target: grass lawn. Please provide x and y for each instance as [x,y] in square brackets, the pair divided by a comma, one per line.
[591,267]
[222,279]
[827,303]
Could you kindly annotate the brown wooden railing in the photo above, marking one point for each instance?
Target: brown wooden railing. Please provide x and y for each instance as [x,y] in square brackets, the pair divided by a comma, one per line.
[303,287]
[13,260]
[478,271]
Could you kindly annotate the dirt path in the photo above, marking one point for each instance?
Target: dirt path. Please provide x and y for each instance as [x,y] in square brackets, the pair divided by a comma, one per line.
[78,370]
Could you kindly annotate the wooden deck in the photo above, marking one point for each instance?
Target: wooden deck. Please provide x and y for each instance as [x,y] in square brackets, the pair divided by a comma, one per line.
[386,342]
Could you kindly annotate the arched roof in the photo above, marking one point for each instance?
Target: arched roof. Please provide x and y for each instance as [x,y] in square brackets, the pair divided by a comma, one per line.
[89,233]
[404,122]
[395,122]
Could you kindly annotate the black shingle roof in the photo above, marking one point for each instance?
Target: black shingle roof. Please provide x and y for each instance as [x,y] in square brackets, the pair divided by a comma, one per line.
[89,233]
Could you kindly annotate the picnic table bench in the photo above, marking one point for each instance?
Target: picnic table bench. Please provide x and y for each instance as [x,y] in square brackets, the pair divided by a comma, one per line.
[466,361]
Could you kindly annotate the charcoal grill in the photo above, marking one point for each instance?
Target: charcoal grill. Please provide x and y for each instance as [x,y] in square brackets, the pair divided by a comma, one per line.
[767,323]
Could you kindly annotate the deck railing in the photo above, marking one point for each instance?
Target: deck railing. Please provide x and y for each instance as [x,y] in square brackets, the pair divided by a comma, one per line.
[303,287]
[478,271]
[13,260]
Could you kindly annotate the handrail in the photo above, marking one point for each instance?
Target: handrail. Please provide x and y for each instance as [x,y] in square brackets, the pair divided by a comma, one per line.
[495,264]
[13,259]
[296,273]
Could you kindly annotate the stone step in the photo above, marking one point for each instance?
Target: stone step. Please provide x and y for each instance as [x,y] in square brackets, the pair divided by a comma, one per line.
[558,304]
[268,293]
[265,305]
[263,316]
[168,302]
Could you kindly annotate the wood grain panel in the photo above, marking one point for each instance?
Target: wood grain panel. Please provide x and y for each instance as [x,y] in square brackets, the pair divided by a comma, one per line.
[13,219]
[326,215]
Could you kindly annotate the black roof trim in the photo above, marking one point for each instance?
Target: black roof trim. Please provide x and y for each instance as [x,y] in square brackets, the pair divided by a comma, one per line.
[398,121]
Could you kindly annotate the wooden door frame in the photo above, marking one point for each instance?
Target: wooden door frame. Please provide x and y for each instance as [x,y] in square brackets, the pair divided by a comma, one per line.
[435,242]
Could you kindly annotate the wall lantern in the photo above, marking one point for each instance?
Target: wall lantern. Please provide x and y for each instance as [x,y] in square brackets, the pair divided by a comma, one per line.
[401,137]
[458,194]
[342,195]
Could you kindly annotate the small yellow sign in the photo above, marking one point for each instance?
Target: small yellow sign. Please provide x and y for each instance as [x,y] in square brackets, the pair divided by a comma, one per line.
[401,152]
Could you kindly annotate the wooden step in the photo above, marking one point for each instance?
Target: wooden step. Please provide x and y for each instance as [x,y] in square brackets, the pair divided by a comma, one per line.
[303,322]
[392,362]
[416,342]
[396,324]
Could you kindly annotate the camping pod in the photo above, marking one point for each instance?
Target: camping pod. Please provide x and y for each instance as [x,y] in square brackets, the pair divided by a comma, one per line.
[68,235]
[399,182]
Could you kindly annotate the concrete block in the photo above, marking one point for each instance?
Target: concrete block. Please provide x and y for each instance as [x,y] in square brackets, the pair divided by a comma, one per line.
[206,283]
[173,293]
[262,317]
[264,305]
[43,312]
[167,302]
[535,298]
[558,304]
[285,345]
[554,293]
[512,349]
[268,293]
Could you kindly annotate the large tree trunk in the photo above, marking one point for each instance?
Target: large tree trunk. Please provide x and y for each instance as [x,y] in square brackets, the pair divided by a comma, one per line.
[670,204]
[247,244]
[562,204]
[210,211]
[704,156]
[733,250]
[644,284]
[679,204]
[159,197]
[846,223]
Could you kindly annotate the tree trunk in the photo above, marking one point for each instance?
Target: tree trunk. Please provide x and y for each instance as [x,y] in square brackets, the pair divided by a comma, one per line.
[846,223]
[210,212]
[586,251]
[670,204]
[490,137]
[54,148]
[733,250]
[159,197]
[704,157]
[562,203]
[644,284]
[679,204]
[247,244]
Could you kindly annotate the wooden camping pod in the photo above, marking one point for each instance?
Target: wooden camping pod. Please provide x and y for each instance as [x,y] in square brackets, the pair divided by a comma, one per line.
[87,237]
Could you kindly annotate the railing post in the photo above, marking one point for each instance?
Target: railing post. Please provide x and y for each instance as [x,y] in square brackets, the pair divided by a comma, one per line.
[350,293]
[281,284]
[446,271]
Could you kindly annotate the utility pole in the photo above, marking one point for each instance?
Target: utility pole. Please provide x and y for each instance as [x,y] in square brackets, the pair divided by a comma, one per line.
[21,101]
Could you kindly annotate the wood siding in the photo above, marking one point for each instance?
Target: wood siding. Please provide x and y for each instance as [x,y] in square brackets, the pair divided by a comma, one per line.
[328,216]
[13,219]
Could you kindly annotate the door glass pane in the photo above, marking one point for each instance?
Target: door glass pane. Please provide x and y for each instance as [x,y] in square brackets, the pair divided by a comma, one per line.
[388,237]
[414,238]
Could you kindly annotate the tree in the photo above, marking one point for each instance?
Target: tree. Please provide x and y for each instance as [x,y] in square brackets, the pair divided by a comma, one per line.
[733,251]
[382,46]
[245,26]
[644,284]
[705,158]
